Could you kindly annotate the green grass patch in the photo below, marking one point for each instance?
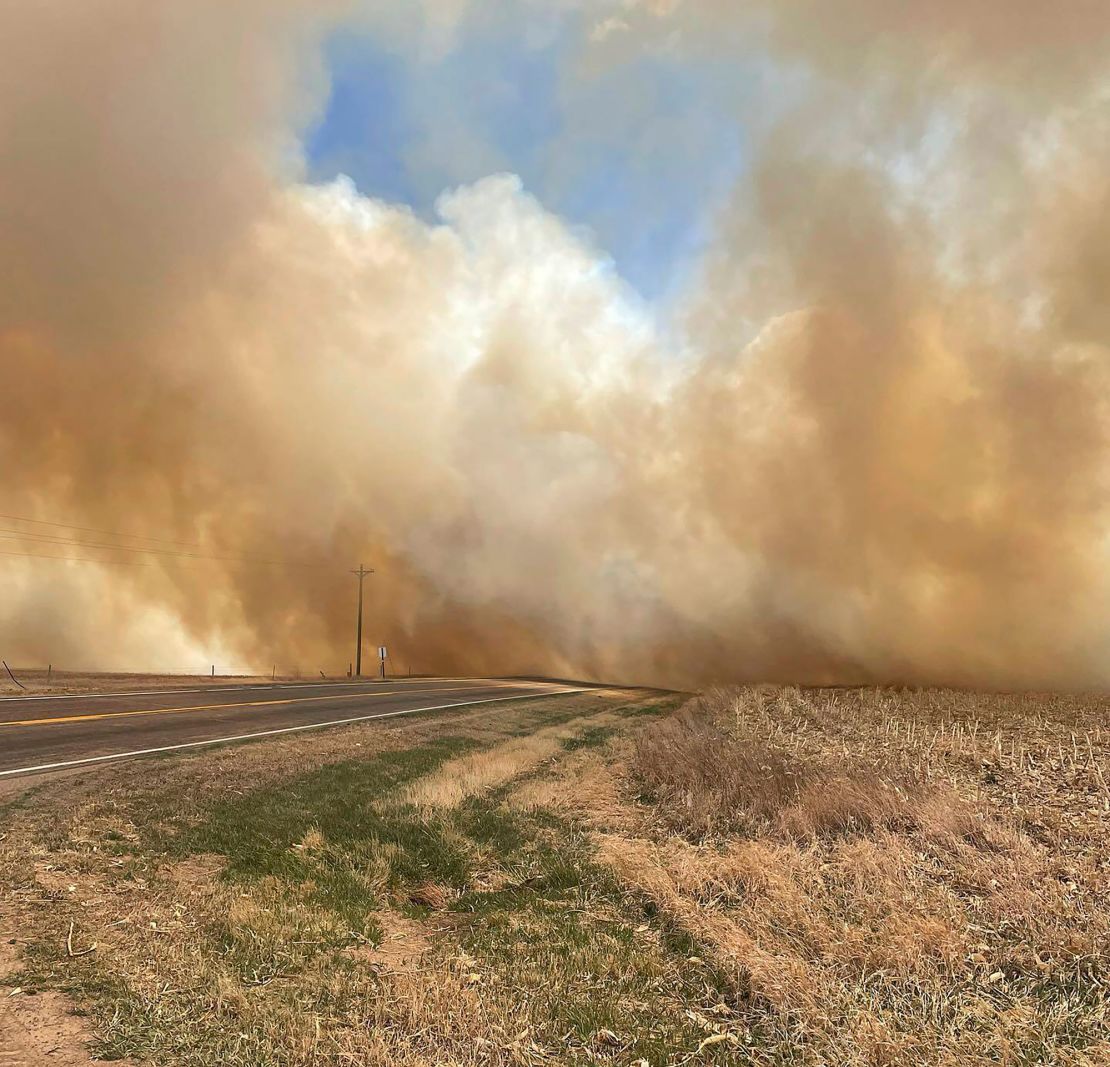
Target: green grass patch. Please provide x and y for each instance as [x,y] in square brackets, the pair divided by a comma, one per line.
[364,848]
[592,965]
[594,737]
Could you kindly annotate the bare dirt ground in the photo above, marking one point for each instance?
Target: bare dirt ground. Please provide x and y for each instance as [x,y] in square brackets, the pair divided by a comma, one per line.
[757,876]
[37,1029]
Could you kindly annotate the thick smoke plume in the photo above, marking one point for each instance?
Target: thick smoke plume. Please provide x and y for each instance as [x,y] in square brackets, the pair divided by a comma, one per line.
[873,444]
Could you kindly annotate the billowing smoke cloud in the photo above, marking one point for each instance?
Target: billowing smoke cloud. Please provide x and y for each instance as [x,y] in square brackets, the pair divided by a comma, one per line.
[872,445]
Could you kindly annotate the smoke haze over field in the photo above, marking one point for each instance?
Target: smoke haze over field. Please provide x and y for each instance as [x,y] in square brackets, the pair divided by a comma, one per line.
[867,441]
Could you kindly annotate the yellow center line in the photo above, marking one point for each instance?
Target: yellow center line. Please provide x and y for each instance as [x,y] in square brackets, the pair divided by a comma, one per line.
[243,704]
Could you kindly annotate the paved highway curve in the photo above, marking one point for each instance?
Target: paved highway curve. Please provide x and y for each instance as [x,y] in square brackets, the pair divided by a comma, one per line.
[42,733]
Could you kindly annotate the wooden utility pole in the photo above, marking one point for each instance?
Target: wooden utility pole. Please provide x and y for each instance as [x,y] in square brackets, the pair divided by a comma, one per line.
[360,574]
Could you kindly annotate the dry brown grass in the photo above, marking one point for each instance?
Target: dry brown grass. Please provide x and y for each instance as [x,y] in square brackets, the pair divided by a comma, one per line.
[705,779]
[710,775]
[887,875]
[483,771]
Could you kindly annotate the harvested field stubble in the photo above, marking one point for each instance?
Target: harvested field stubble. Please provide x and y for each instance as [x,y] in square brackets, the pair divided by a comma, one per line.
[888,874]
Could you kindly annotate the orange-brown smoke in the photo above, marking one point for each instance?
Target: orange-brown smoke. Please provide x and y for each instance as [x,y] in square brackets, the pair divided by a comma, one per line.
[873,446]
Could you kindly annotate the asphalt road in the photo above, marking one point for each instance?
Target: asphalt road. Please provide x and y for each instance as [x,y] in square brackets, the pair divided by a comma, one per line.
[44,733]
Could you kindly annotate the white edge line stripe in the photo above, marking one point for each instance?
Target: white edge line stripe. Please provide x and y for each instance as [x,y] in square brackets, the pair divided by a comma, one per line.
[284,730]
[251,688]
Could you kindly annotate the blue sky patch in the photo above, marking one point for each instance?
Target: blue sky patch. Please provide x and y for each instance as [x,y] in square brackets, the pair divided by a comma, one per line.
[641,154]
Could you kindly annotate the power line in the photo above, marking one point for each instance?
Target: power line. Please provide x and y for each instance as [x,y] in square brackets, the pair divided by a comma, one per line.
[73,543]
[80,559]
[50,539]
[106,533]
[136,563]
[102,562]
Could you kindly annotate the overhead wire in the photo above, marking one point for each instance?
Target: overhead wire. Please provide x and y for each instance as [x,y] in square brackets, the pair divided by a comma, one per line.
[42,537]
[96,530]
[49,539]
[80,559]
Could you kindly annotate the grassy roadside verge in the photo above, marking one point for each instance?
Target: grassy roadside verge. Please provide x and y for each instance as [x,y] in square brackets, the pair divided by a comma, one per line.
[369,909]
